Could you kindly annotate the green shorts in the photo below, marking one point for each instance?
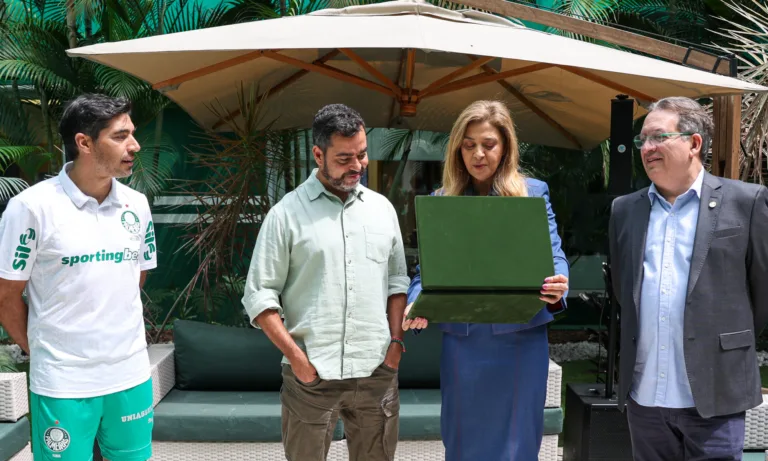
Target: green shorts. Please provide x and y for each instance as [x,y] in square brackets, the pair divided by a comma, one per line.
[65,429]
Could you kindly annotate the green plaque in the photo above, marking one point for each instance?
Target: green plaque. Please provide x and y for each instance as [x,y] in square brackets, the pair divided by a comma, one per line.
[482,259]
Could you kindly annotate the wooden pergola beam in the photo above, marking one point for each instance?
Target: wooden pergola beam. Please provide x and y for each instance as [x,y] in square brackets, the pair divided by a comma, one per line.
[726,142]
[608,34]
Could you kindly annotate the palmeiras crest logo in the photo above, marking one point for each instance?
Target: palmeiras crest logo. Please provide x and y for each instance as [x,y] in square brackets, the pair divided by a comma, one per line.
[131,222]
[56,439]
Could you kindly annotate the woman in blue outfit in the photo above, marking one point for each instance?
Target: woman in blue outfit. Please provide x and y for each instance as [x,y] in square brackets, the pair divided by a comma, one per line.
[493,377]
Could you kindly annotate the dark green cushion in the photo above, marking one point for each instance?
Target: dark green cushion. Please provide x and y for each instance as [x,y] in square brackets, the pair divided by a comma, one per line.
[553,421]
[191,416]
[221,358]
[420,416]
[13,437]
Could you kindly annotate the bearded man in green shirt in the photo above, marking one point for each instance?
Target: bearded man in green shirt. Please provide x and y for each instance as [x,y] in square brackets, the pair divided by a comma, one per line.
[332,251]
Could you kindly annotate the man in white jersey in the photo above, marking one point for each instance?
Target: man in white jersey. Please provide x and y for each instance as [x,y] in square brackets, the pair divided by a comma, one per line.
[81,243]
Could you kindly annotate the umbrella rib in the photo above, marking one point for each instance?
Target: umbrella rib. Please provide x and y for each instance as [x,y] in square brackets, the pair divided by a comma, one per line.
[521,97]
[372,70]
[410,70]
[329,72]
[485,78]
[399,79]
[457,73]
[207,70]
[288,81]
[610,84]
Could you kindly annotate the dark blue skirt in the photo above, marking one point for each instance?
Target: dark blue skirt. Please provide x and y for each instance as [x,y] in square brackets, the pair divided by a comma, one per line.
[493,392]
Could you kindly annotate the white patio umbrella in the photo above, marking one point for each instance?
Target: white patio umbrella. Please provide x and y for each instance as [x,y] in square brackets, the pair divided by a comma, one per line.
[406,64]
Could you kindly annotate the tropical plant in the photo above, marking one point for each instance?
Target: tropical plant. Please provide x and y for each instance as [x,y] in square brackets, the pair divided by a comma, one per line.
[53,78]
[398,144]
[242,174]
[747,40]
[7,364]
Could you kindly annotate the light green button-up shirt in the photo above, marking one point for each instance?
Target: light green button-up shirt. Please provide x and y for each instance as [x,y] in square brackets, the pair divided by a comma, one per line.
[334,264]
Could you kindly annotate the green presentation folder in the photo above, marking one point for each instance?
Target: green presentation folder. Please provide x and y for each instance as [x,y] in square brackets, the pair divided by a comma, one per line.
[482,259]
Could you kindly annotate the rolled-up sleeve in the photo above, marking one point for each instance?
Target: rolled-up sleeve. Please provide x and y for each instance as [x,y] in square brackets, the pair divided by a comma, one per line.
[268,269]
[398,270]
[415,288]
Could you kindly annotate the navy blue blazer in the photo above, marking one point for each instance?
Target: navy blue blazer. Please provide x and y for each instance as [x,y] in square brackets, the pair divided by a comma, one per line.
[536,188]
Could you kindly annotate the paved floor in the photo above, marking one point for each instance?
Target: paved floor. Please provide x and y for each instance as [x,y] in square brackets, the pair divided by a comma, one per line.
[749,456]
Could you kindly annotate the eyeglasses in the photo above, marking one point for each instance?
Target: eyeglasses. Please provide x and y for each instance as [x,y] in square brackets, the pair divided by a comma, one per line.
[656,139]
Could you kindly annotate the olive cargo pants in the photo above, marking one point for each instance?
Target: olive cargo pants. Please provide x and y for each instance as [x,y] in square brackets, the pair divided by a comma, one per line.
[369,407]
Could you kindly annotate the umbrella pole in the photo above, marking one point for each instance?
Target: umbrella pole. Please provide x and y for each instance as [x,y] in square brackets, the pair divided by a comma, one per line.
[619,183]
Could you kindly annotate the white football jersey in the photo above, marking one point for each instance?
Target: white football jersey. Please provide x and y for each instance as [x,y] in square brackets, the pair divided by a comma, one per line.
[82,262]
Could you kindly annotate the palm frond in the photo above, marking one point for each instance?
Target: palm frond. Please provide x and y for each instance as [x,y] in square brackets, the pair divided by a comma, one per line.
[197,15]
[14,121]
[46,63]
[152,167]
[394,143]
[589,10]
[10,187]
[746,36]
[240,11]
[238,172]
[435,140]
[118,83]
[13,154]
[31,163]
[348,3]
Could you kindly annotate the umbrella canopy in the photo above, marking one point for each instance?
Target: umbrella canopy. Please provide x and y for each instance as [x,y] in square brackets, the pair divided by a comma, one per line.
[406,64]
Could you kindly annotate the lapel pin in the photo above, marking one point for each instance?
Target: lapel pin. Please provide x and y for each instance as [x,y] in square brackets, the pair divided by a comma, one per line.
[712,204]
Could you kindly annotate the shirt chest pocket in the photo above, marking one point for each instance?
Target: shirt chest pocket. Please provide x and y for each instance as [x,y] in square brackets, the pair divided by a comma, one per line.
[378,244]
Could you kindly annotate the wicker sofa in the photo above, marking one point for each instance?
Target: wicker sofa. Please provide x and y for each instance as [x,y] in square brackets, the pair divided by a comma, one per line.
[217,398]
[14,425]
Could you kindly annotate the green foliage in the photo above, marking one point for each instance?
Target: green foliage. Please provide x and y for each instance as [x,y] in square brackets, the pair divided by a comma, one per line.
[7,365]
[152,166]
[577,193]
[745,35]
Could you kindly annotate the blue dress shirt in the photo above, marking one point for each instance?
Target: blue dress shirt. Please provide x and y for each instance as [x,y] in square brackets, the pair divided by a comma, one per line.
[660,379]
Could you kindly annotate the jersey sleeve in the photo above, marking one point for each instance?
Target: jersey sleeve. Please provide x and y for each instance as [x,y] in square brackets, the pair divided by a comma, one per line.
[148,253]
[19,238]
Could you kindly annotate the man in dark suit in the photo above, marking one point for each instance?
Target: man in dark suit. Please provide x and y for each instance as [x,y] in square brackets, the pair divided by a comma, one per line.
[689,261]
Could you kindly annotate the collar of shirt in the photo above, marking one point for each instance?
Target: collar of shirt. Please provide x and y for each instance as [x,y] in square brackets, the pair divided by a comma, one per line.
[77,196]
[315,188]
[653,193]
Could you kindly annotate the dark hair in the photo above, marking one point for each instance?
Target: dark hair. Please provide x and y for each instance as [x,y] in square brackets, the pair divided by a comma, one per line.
[335,119]
[89,114]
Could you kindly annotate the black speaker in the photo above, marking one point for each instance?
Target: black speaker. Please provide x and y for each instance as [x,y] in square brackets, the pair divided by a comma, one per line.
[620,169]
[594,428]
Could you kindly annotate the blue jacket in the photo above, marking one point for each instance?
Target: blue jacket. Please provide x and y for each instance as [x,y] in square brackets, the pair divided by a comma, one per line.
[536,188]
